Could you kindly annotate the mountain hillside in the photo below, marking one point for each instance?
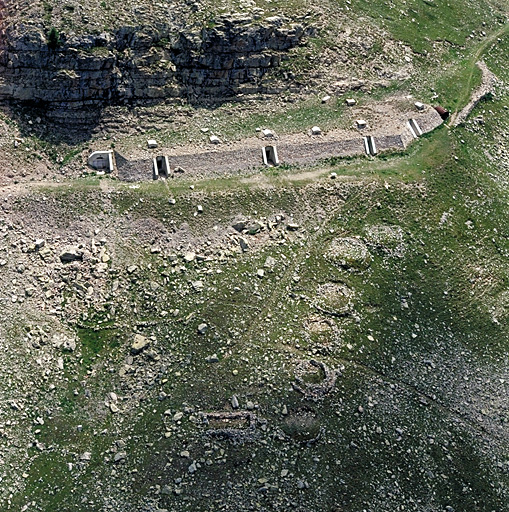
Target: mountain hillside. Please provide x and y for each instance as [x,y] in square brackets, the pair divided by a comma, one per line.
[197,329]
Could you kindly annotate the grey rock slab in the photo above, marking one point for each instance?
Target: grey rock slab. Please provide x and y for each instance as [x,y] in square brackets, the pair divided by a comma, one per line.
[270,262]
[86,456]
[71,254]
[239,226]
[197,285]
[140,343]
[119,456]
[69,345]
[39,243]
[243,244]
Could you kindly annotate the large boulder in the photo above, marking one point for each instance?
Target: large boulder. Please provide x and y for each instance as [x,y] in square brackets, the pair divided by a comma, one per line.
[140,343]
[71,254]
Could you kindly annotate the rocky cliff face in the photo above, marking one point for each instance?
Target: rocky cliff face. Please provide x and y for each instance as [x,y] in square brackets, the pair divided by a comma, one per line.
[233,54]
[141,65]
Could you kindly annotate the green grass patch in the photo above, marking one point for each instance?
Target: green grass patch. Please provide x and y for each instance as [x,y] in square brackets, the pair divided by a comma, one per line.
[95,342]
[419,22]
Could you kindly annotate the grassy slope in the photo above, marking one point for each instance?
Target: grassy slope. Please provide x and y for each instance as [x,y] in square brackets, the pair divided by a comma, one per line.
[454,331]
[420,23]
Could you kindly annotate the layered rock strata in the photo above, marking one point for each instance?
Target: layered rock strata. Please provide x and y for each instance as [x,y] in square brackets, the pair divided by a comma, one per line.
[140,65]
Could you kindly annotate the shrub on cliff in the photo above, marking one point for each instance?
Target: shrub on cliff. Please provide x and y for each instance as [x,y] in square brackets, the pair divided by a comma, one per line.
[53,39]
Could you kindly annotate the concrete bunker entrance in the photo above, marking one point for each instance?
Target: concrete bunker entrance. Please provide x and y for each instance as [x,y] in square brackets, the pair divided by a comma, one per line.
[269,155]
[414,128]
[161,167]
[101,160]
[370,146]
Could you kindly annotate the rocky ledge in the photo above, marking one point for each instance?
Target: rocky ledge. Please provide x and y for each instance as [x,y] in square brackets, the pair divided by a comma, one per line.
[141,64]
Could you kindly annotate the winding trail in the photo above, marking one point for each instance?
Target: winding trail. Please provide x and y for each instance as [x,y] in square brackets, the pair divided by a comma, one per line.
[467,94]
[488,83]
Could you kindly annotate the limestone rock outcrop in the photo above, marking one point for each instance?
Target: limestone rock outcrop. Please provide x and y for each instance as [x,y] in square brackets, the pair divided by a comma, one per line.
[141,64]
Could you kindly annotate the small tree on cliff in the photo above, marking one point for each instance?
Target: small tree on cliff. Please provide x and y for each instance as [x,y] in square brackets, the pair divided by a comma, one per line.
[53,39]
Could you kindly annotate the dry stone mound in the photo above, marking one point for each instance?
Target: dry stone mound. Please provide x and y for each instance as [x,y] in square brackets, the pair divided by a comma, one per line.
[334,298]
[385,239]
[349,253]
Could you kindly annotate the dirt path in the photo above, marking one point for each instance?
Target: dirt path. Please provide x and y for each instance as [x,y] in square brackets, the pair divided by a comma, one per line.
[473,61]
[487,86]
